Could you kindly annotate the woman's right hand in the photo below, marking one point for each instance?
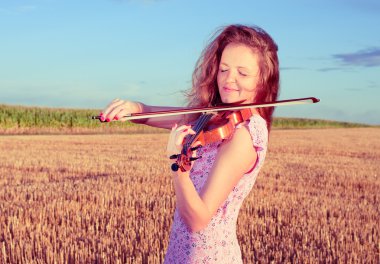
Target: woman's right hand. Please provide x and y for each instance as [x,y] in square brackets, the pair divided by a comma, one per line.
[119,108]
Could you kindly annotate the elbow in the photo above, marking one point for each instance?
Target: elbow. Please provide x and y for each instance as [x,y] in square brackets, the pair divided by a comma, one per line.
[196,224]
[197,227]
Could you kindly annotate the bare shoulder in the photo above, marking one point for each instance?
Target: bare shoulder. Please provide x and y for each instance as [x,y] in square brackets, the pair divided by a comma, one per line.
[239,147]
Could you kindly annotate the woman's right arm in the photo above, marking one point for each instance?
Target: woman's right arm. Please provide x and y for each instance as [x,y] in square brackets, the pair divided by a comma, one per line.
[119,108]
[162,122]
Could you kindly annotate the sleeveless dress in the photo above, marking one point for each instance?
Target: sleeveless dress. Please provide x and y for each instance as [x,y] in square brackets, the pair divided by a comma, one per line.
[217,243]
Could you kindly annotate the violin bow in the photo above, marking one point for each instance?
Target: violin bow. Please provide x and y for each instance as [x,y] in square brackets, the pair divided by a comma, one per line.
[306,100]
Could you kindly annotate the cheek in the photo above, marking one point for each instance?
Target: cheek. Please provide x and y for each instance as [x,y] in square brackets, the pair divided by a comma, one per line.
[219,80]
[250,85]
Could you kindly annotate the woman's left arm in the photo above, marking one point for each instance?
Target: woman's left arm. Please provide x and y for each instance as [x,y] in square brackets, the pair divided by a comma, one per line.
[234,158]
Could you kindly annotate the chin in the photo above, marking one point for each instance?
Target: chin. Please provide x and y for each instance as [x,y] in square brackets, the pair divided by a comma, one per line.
[231,100]
[228,100]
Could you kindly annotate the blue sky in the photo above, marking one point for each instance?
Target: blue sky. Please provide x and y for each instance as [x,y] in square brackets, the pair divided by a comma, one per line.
[82,54]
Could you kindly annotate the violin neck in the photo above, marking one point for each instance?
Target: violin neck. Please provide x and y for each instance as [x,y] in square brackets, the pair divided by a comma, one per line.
[198,127]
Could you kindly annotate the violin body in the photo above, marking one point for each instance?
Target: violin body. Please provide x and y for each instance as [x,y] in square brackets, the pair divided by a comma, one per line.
[224,125]
[209,128]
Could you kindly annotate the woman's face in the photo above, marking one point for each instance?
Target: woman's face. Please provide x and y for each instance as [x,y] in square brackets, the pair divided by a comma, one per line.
[238,74]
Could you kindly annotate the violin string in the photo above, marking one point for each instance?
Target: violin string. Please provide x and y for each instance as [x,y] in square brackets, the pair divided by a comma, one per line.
[196,128]
[200,124]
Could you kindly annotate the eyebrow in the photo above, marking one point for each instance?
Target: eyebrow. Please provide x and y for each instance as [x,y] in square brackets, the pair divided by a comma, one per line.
[240,67]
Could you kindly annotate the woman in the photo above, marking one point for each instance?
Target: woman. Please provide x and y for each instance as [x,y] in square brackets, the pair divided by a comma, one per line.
[239,64]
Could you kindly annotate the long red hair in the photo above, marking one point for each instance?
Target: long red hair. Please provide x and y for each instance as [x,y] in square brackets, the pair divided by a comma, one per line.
[204,91]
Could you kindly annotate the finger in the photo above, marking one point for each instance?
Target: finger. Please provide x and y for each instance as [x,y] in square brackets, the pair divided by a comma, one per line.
[180,137]
[190,131]
[171,138]
[108,109]
[183,127]
[115,108]
[176,138]
[119,112]
[171,147]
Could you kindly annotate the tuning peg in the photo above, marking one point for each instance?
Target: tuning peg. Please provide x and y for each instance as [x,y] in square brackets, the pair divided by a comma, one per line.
[175,167]
[195,158]
[195,148]
[174,156]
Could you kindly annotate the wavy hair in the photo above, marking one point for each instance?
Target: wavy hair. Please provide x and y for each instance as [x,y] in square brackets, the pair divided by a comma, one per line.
[204,91]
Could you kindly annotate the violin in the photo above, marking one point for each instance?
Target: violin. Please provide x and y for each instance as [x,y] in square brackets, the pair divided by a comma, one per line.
[215,124]
[209,128]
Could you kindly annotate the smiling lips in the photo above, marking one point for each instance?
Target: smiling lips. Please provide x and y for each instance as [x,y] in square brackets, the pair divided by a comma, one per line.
[227,89]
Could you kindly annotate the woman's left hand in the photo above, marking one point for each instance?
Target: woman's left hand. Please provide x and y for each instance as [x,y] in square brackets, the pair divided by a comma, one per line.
[176,140]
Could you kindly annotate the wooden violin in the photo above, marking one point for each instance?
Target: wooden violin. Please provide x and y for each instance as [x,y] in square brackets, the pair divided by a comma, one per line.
[215,124]
[209,128]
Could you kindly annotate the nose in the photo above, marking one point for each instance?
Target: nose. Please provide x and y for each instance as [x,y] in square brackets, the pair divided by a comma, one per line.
[231,76]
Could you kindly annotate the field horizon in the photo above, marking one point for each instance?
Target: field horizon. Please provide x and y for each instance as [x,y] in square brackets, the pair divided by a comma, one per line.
[18,120]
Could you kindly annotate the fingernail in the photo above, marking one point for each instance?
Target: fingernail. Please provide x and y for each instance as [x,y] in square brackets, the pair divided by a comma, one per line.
[101,114]
[107,120]
[116,118]
[102,118]
[185,130]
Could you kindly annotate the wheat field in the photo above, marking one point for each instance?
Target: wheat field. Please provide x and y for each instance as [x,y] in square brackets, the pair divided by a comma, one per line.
[109,199]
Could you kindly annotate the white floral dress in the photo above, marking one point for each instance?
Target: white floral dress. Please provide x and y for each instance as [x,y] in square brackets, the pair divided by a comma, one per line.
[217,243]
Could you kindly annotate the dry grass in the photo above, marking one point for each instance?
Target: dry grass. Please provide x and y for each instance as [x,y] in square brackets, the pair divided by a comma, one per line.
[109,199]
